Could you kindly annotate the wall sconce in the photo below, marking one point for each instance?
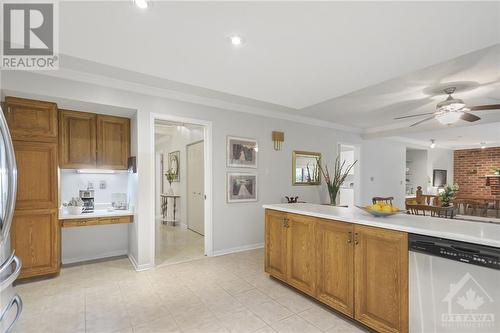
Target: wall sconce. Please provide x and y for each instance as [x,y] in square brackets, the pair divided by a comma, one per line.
[278,138]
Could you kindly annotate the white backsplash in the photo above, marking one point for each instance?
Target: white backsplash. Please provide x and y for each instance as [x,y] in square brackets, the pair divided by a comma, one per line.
[72,182]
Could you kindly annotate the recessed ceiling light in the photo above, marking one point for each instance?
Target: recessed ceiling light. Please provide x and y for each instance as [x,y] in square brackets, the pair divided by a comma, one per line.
[142,4]
[483,145]
[236,40]
[433,144]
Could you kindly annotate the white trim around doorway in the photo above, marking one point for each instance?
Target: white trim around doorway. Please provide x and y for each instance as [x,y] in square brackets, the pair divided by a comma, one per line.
[207,137]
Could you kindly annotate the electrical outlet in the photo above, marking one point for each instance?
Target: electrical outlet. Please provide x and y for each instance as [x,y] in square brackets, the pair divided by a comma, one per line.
[102,184]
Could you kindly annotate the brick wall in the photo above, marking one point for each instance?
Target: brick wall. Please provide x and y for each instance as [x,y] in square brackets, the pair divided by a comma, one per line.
[470,166]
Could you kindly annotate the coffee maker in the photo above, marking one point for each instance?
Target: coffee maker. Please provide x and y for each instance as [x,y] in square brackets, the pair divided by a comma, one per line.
[87,197]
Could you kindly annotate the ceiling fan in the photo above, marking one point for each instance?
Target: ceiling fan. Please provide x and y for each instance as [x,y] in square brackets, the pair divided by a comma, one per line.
[451,110]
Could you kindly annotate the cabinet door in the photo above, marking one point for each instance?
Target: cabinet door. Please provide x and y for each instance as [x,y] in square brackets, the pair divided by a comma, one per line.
[77,139]
[335,265]
[35,238]
[31,120]
[381,278]
[275,244]
[300,253]
[36,175]
[113,142]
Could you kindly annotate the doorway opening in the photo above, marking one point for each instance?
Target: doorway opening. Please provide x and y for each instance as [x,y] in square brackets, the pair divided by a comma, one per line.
[349,190]
[179,191]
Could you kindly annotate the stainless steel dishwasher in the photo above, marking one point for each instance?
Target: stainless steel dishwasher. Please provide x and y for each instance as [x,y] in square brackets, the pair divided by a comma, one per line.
[454,286]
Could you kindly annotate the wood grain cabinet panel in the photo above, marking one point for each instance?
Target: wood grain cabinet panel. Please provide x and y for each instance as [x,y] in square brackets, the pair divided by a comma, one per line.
[335,265]
[381,277]
[77,139]
[36,240]
[36,175]
[31,120]
[113,142]
[300,252]
[275,244]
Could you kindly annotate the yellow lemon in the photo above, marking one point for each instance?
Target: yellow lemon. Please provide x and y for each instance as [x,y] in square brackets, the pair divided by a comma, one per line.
[395,209]
[387,208]
[376,207]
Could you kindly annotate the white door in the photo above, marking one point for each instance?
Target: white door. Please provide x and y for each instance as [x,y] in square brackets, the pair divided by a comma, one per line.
[195,188]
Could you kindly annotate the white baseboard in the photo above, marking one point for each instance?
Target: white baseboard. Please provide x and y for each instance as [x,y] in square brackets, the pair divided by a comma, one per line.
[95,257]
[138,267]
[238,249]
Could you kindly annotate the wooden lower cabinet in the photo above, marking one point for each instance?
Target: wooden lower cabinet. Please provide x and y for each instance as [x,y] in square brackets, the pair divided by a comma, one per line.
[276,248]
[35,236]
[357,270]
[381,277]
[335,265]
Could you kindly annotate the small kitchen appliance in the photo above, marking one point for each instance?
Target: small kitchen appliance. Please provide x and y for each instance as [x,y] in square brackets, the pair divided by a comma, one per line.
[87,197]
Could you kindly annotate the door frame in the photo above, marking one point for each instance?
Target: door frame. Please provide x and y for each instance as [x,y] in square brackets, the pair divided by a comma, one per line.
[357,168]
[208,178]
[187,181]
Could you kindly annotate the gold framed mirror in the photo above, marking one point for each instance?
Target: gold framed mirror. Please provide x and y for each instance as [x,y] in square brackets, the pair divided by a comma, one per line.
[305,170]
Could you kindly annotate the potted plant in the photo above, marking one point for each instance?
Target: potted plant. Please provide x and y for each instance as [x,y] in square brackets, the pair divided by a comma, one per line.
[340,172]
[170,174]
[447,194]
[496,171]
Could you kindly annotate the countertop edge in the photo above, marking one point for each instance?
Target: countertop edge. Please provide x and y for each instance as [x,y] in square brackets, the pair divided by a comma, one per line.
[95,215]
[408,229]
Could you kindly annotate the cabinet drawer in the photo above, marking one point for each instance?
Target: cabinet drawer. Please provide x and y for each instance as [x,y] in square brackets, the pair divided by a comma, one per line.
[78,222]
[115,220]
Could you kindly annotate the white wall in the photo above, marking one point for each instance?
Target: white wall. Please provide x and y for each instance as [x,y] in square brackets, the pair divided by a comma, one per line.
[71,182]
[439,159]
[235,226]
[383,170]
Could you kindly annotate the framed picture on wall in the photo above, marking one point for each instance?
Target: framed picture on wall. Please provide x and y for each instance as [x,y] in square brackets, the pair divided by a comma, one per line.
[174,164]
[241,187]
[241,152]
[439,178]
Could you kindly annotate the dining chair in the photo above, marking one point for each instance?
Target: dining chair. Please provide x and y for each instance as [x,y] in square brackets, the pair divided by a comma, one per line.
[387,200]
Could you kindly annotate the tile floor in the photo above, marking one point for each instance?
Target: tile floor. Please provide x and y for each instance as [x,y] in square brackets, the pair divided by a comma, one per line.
[177,244]
[219,294]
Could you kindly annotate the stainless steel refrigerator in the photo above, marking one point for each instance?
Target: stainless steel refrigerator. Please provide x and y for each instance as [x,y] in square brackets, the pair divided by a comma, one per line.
[10,265]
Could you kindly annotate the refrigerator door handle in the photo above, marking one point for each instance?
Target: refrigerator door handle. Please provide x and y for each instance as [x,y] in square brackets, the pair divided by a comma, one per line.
[19,305]
[12,277]
[11,182]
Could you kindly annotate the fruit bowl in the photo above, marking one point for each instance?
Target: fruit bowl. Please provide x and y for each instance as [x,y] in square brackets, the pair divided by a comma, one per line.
[380,213]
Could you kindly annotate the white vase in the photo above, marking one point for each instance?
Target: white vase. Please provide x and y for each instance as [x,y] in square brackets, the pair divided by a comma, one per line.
[170,190]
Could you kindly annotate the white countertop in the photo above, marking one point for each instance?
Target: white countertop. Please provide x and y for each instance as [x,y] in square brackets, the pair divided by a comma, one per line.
[466,231]
[63,215]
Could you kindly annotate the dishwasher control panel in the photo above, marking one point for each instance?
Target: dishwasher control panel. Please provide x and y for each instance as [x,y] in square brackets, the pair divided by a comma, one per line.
[474,254]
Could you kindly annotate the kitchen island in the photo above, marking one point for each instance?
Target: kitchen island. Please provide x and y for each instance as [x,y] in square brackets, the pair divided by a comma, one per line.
[353,262]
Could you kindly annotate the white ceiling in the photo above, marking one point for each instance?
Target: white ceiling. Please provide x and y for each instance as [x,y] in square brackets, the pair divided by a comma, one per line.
[457,137]
[296,54]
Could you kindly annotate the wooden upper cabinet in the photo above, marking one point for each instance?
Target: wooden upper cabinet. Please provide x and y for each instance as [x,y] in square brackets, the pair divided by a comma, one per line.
[77,139]
[335,265]
[381,277]
[36,175]
[275,244]
[300,252]
[31,120]
[113,142]
[36,240]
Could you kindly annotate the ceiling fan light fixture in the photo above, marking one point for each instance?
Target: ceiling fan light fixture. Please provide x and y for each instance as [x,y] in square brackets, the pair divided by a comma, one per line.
[449,117]
[450,104]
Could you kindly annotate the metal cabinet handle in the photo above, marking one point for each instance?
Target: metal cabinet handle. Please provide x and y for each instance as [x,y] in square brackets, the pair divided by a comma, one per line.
[12,277]
[17,301]
[349,237]
[356,240]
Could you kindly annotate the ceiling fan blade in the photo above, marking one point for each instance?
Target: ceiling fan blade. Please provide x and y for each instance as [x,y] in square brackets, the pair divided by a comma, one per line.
[414,115]
[485,107]
[469,117]
[422,121]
